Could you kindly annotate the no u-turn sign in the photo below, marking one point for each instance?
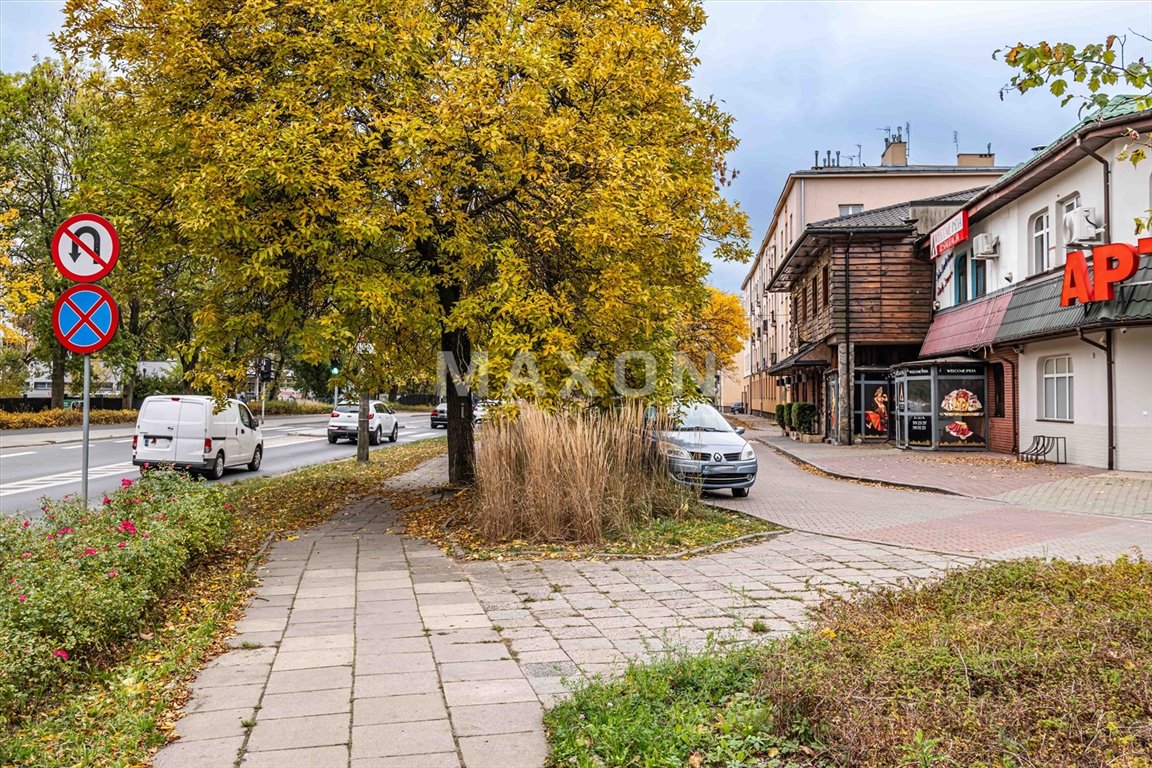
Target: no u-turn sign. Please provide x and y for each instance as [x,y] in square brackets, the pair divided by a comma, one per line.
[85,248]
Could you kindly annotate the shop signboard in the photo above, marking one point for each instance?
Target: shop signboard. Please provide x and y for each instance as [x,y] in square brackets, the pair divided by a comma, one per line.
[1111,264]
[950,233]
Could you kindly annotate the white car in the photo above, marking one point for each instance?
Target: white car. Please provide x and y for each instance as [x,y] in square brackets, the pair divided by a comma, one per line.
[187,432]
[344,422]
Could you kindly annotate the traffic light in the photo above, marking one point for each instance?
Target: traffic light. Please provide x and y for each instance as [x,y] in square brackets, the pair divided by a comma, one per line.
[266,369]
[334,368]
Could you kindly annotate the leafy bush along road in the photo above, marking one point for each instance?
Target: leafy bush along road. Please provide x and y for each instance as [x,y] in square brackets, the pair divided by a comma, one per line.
[113,703]
[78,580]
[73,417]
[1022,663]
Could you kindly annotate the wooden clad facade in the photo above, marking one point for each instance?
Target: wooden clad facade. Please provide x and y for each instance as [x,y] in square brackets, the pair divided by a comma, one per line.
[870,289]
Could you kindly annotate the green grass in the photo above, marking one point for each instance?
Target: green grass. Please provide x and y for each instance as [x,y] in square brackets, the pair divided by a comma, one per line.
[661,715]
[1023,663]
[122,711]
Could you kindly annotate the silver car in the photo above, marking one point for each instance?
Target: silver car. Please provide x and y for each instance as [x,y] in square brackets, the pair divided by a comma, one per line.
[705,452]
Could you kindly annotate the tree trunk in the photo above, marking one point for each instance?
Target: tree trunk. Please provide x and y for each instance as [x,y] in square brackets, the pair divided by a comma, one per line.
[59,357]
[393,393]
[461,435]
[362,430]
[128,390]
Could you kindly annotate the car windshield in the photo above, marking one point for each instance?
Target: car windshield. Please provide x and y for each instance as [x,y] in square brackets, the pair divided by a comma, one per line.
[698,417]
[347,409]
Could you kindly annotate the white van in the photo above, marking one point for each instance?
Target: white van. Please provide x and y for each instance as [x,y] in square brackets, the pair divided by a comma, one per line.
[187,432]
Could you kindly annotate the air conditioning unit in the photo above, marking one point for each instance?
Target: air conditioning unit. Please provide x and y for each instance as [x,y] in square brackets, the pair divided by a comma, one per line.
[1081,227]
[984,246]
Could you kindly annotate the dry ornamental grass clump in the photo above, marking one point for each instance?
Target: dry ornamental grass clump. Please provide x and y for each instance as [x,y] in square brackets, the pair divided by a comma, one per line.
[562,477]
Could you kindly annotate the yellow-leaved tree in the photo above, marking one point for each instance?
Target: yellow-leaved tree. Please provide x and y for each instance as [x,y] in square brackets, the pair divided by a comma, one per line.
[536,174]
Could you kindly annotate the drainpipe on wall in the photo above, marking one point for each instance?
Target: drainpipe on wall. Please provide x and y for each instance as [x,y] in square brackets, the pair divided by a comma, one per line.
[1107,345]
[1107,187]
[1109,367]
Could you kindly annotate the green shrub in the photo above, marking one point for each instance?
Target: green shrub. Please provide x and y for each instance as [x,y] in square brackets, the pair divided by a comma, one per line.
[782,415]
[78,580]
[289,407]
[804,417]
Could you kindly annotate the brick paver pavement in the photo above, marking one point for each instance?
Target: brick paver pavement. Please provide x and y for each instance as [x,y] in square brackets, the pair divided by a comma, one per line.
[977,474]
[794,497]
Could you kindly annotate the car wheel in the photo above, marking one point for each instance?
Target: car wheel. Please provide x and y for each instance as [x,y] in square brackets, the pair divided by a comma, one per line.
[739,492]
[257,457]
[332,438]
[374,437]
[217,470]
[395,433]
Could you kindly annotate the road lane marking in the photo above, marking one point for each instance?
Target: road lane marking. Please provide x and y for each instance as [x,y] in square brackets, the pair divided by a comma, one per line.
[64,478]
[72,447]
[124,441]
[13,455]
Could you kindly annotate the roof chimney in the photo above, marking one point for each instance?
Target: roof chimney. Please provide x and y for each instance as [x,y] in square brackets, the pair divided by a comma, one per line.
[895,152]
[976,159]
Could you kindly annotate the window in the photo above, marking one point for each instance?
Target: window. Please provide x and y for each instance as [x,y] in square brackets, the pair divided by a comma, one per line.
[1056,402]
[1039,250]
[815,298]
[827,300]
[851,208]
[960,278]
[996,370]
[979,278]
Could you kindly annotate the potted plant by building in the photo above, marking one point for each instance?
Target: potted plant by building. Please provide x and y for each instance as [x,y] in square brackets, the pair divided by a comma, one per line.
[804,421]
[782,417]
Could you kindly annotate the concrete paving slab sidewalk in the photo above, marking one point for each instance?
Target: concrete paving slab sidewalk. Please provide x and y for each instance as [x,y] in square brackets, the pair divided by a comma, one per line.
[377,650]
[381,656]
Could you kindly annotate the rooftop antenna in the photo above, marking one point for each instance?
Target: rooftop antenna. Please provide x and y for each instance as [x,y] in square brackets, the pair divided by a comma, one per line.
[887,134]
[956,141]
[989,147]
[860,154]
[908,138]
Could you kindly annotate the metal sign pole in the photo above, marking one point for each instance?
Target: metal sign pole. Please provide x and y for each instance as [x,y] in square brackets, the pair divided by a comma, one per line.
[84,451]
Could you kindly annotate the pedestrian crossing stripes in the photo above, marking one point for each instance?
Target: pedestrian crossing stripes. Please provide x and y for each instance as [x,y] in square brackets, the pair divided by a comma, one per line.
[64,478]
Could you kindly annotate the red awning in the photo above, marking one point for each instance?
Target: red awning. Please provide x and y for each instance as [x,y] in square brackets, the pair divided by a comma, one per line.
[969,326]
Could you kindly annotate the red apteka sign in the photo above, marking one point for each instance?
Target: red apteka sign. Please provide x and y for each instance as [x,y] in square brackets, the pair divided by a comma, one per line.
[951,232]
[1111,264]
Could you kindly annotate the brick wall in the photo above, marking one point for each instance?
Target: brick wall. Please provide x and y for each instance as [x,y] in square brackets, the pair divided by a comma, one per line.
[1002,431]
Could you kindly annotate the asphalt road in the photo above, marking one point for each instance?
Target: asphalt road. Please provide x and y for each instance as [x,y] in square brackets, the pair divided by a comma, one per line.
[53,470]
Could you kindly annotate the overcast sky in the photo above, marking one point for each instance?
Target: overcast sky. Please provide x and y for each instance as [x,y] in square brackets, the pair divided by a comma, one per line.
[805,76]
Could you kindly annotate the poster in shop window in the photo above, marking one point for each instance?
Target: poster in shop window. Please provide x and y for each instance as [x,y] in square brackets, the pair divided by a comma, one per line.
[875,410]
[961,413]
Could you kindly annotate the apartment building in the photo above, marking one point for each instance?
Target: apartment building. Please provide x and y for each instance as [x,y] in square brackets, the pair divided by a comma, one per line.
[829,190]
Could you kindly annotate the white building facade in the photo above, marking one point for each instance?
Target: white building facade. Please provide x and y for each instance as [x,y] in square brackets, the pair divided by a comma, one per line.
[1017,284]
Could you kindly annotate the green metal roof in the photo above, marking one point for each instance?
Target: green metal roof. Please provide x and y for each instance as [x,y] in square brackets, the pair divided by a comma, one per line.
[1035,310]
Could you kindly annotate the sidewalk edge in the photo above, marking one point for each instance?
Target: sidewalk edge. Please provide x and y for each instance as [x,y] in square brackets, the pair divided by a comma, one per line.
[857,478]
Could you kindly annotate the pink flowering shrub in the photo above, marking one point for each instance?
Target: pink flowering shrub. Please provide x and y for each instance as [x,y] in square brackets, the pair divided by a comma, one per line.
[76,581]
